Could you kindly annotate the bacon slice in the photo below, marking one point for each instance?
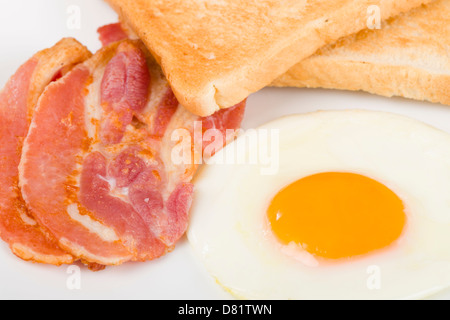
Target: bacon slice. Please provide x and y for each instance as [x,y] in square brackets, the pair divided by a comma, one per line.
[124,91]
[96,169]
[111,33]
[18,99]
[50,160]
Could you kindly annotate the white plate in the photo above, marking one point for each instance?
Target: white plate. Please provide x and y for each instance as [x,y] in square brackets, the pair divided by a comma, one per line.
[27,26]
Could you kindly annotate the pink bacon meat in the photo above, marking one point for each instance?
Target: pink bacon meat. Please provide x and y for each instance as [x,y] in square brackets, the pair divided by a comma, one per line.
[111,33]
[96,168]
[18,99]
[124,92]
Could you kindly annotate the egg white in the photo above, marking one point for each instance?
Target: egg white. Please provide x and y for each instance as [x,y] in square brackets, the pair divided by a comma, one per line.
[229,229]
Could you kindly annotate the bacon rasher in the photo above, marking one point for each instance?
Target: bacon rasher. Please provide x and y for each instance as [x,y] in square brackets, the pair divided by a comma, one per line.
[97,169]
[111,33]
[26,238]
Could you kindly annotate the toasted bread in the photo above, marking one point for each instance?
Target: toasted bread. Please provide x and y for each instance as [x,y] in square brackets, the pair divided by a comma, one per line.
[409,57]
[216,53]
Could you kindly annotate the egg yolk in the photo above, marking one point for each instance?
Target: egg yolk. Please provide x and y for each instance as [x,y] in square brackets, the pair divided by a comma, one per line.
[337,215]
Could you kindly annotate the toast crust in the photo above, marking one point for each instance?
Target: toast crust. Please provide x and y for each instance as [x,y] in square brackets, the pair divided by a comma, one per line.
[216,53]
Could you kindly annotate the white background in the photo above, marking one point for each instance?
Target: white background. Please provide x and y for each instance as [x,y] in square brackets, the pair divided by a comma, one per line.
[27,26]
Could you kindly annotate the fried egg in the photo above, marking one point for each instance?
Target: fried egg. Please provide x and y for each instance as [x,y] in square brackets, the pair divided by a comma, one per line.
[359,208]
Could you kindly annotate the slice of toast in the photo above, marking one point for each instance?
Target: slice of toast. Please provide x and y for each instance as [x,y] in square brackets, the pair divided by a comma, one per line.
[217,52]
[409,57]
